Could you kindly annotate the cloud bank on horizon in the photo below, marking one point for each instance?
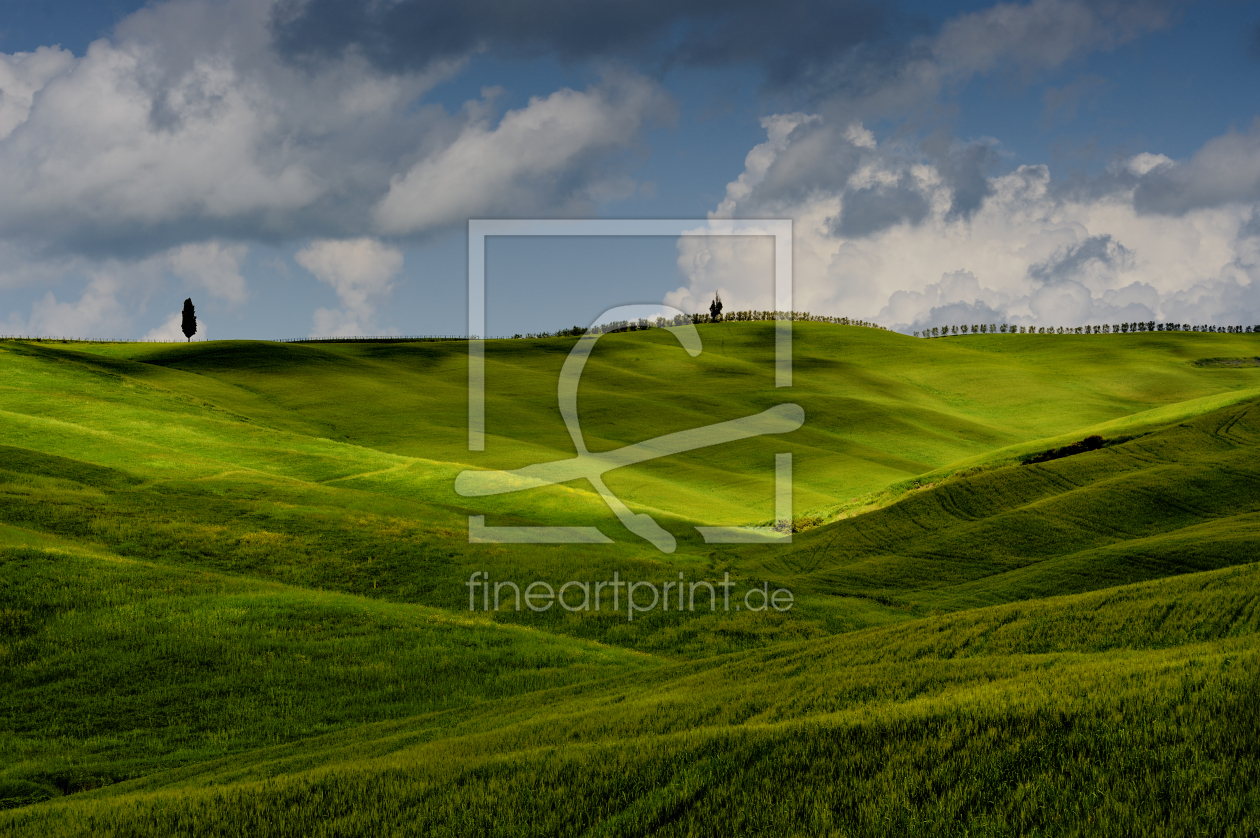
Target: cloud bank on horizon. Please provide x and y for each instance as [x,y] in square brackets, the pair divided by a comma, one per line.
[920,237]
[201,130]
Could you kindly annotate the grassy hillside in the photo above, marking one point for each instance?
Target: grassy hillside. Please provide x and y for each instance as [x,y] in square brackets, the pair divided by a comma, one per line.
[1182,498]
[232,596]
[1125,712]
[879,406]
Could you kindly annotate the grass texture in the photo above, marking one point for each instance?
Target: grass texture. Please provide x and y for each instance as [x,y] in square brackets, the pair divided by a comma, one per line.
[232,595]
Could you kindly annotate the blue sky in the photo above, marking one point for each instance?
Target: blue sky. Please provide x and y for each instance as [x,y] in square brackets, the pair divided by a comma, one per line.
[309,168]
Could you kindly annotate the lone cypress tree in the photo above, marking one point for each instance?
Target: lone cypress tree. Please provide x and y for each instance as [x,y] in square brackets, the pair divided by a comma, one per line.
[190,320]
[715,309]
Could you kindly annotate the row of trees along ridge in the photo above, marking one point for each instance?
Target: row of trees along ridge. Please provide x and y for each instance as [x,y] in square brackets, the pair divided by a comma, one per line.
[1105,329]
[680,319]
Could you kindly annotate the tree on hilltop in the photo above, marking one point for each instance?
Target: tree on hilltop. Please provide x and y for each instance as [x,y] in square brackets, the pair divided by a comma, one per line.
[190,319]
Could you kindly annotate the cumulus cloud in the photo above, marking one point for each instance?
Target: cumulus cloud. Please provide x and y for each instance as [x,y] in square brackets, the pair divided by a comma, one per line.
[200,125]
[870,209]
[186,134]
[21,76]
[759,161]
[1098,255]
[740,268]
[187,126]
[214,266]
[525,163]
[1226,170]
[97,313]
[920,233]
[361,271]
[172,329]
[120,142]
[965,168]
[889,243]
[114,294]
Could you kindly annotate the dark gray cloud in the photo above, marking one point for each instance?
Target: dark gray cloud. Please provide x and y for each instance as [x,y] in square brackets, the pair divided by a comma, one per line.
[1251,228]
[790,40]
[1071,262]
[966,169]
[852,48]
[1225,170]
[956,314]
[968,174]
[879,207]
[818,157]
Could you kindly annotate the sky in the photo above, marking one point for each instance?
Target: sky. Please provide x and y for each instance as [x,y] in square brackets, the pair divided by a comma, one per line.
[308,167]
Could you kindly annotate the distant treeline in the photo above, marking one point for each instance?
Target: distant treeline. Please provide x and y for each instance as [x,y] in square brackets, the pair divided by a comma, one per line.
[1105,329]
[375,339]
[342,339]
[53,339]
[643,324]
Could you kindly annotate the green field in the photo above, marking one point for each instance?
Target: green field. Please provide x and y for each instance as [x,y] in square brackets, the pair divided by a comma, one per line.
[234,601]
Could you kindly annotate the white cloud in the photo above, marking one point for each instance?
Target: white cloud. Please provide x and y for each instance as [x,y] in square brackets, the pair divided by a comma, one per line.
[778,128]
[1031,252]
[521,163]
[1145,163]
[187,126]
[214,266]
[173,329]
[740,268]
[22,75]
[114,293]
[97,314]
[361,271]
[185,133]
[908,234]
[102,149]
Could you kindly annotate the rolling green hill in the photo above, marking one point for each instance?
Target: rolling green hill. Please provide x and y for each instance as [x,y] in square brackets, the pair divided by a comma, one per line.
[233,595]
